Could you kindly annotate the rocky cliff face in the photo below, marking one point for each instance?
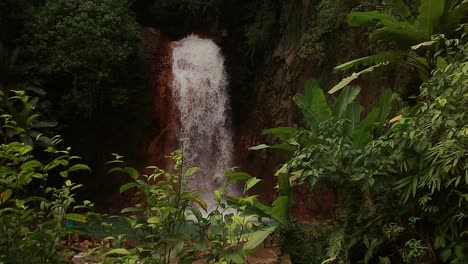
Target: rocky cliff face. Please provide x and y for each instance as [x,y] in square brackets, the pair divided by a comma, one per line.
[157,60]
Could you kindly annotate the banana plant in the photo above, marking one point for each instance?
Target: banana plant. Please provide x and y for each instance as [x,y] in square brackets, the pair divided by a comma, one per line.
[413,36]
[315,110]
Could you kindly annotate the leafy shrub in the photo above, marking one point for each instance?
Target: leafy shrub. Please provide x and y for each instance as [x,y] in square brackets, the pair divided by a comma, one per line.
[32,212]
[402,182]
[172,223]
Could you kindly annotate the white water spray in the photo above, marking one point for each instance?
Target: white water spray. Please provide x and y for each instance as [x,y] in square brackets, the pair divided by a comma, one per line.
[199,90]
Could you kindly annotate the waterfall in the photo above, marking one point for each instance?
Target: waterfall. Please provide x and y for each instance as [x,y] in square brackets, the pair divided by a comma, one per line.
[200,95]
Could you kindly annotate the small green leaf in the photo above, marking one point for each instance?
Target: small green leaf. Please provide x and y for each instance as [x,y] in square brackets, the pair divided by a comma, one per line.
[32,164]
[238,176]
[131,210]
[193,198]
[251,183]
[259,147]
[118,251]
[127,186]
[133,173]
[79,167]
[76,217]
[153,220]
[5,195]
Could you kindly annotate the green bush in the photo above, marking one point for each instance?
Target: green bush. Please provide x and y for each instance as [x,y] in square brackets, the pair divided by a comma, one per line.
[32,213]
[172,223]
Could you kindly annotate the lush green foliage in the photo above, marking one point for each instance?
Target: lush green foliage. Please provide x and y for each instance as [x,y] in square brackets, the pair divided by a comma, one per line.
[173,223]
[402,182]
[31,212]
[413,36]
[86,42]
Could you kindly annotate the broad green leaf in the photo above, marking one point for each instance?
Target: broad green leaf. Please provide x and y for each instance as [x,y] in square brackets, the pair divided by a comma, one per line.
[237,257]
[280,210]
[346,81]
[284,133]
[402,8]
[385,106]
[315,98]
[405,35]
[238,176]
[196,199]
[76,217]
[369,18]
[384,57]
[118,251]
[389,28]
[251,183]
[5,195]
[313,104]
[131,210]
[279,147]
[454,15]
[177,249]
[430,14]
[43,124]
[133,173]
[259,147]
[55,163]
[127,186]
[446,254]
[284,184]
[153,220]
[32,164]
[30,119]
[353,114]
[198,215]
[258,237]
[79,167]
[346,97]
[364,134]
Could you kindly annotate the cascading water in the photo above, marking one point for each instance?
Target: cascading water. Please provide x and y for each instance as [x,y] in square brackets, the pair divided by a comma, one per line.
[200,94]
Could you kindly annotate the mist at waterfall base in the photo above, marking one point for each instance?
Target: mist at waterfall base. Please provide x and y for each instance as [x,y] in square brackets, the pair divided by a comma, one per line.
[201,97]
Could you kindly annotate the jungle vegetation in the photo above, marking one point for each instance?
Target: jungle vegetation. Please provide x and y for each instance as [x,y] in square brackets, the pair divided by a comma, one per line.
[399,166]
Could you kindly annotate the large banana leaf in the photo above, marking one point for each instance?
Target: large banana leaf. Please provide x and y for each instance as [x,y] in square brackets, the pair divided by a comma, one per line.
[401,8]
[346,97]
[353,114]
[403,33]
[313,104]
[346,81]
[454,13]
[369,18]
[385,105]
[430,14]
[384,57]
[364,133]
[375,120]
